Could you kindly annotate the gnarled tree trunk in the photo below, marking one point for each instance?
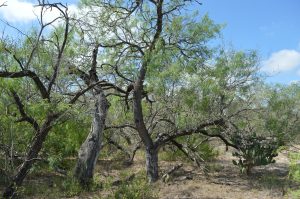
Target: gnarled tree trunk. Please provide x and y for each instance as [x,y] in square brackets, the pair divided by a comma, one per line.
[90,149]
[31,156]
[152,163]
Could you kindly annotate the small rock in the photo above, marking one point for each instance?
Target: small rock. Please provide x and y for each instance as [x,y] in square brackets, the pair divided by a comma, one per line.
[181,178]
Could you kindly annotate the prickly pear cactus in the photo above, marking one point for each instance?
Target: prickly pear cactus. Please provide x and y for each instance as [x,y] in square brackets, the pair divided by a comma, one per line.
[254,151]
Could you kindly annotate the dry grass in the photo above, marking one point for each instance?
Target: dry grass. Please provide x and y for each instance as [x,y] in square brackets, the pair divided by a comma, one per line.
[221,180]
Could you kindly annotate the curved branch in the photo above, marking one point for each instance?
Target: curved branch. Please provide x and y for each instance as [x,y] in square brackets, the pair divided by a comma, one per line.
[159,23]
[61,49]
[111,85]
[164,138]
[24,115]
[28,73]
[82,92]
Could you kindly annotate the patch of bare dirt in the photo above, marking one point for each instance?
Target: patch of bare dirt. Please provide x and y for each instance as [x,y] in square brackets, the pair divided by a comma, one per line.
[224,181]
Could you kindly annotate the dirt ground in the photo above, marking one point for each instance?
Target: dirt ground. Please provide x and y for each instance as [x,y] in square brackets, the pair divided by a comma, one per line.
[218,179]
[224,181]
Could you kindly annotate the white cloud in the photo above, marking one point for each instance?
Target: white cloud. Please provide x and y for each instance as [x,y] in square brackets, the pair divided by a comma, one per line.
[294,82]
[18,11]
[23,12]
[281,61]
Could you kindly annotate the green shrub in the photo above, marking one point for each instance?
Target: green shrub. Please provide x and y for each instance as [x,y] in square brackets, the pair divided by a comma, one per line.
[207,152]
[71,187]
[253,151]
[137,188]
[170,155]
[295,167]
[294,173]
[195,146]
[273,181]
[4,179]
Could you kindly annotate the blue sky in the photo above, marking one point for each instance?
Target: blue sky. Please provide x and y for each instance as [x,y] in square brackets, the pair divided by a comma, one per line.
[271,27]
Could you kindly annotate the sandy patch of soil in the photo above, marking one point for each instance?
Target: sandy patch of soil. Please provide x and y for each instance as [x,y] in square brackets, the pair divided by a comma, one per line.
[224,181]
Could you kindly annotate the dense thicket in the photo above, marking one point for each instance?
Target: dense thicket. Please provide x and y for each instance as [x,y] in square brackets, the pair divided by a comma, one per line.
[135,75]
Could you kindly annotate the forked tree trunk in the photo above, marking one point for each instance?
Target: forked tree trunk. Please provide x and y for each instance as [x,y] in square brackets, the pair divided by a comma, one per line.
[31,157]
[90,149]
[152,163]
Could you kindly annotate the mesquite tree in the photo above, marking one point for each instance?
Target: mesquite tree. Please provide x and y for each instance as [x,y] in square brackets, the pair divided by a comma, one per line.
[27,66]
[34,72]
[86,69]
[142,40]
[176,84]
[90,149]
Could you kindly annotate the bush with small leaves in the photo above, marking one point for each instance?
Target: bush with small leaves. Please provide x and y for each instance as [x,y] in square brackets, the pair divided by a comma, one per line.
[294,173]
[132,186]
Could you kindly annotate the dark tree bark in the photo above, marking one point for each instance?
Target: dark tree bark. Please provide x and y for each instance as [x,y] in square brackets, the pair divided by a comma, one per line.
[152,163]
[41,132]
[151,150]
[31,156]
[138,90]
[90,149]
